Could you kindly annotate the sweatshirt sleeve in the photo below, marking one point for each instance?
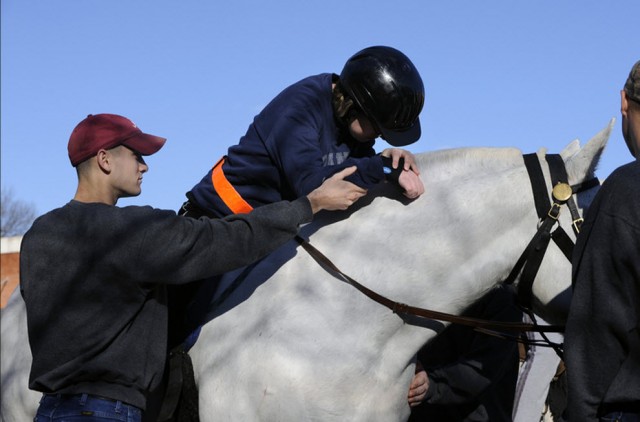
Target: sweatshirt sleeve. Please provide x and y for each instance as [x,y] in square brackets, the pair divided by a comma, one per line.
[602,340]
[299,131]
[178,250]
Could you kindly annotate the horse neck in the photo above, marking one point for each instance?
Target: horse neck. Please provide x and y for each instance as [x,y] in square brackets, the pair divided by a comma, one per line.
[449,247]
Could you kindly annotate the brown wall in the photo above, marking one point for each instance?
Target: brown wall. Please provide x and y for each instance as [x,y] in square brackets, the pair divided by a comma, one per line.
[9,267]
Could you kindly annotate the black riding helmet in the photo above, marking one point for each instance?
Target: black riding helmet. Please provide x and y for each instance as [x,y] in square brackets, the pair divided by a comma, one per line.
[387,87]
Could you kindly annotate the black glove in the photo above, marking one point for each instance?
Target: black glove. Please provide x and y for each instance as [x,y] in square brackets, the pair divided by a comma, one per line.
[392,174]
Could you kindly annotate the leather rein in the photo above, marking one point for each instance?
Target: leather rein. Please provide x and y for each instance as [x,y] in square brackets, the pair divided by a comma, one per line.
[527,265]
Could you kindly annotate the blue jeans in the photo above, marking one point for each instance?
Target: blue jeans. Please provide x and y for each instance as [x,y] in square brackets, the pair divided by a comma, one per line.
[620,417]
[84,407]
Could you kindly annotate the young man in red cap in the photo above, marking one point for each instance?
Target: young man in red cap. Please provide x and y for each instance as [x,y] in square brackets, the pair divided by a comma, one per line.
[94,276]
[602,337]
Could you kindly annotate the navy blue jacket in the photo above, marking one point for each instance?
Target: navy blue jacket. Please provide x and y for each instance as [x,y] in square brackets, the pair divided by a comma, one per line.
[291,147]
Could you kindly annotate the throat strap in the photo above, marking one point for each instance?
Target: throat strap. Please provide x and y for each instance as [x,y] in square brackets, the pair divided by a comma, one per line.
[531,259]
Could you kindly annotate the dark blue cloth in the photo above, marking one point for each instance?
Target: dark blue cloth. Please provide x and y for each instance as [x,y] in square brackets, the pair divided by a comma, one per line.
[472,375]
[602,336]
[291,147]
[620,417]
[84,407]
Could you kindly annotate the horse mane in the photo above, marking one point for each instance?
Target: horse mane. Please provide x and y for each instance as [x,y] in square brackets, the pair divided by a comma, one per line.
[468,161]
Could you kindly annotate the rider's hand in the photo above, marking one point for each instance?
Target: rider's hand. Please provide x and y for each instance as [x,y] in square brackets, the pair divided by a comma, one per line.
[396,154]
[408,176]
[411,183]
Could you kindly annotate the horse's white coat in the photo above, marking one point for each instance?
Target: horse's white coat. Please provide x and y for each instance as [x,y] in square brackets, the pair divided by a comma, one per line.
[307,346]
[17,402]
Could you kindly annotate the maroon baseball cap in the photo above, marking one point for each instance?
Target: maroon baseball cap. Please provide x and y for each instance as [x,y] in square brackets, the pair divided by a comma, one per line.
[105,131]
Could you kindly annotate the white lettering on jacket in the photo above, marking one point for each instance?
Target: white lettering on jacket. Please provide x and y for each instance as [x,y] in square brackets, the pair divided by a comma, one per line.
[334,158]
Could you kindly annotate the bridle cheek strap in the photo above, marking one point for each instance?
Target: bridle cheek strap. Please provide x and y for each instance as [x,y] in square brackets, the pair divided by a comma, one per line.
[531,259]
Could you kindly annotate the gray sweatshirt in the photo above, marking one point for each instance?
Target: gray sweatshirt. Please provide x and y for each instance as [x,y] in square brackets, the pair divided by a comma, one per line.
[94,278]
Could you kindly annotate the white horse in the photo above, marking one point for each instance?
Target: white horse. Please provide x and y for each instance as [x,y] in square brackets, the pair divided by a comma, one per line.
[307,346]
[17,402]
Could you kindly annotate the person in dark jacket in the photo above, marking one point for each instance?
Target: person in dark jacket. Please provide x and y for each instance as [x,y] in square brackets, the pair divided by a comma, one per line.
[317,127]
[471,375]
[602,338]
[312,129]
[94,275]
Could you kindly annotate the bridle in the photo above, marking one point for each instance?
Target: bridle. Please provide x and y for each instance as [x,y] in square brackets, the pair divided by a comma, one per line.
[548,214]
[527,265]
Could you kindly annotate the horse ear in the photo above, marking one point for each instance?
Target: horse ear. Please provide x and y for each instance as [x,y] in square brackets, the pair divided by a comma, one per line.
[583,164]
[570,150]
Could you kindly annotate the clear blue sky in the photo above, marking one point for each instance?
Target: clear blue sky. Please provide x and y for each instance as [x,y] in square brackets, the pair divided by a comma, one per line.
[497,73]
